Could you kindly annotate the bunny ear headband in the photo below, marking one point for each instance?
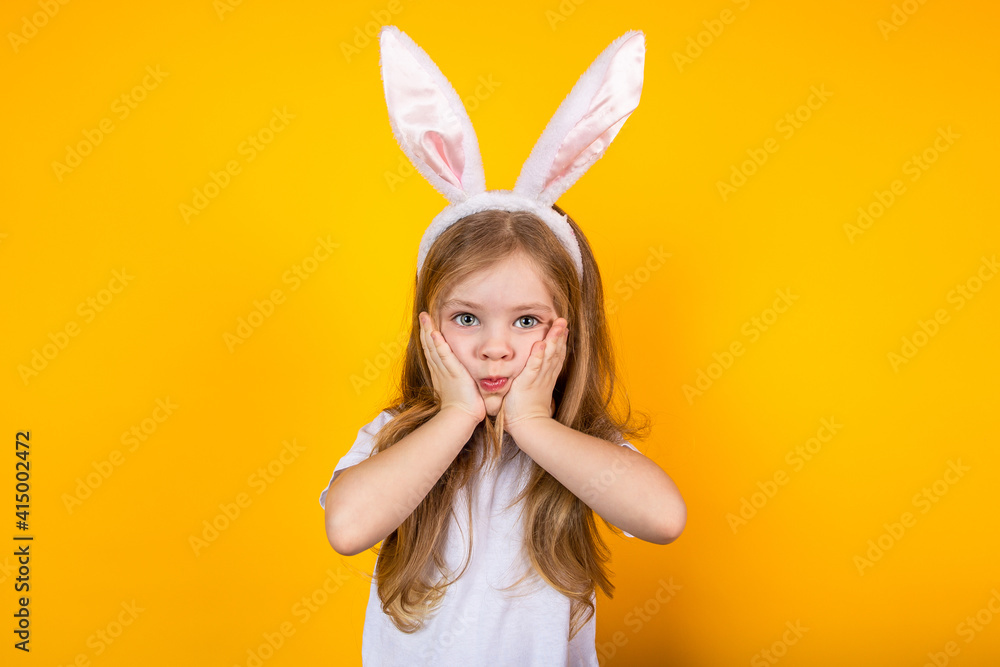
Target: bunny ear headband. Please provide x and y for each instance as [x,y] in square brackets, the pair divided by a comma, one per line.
[432,127]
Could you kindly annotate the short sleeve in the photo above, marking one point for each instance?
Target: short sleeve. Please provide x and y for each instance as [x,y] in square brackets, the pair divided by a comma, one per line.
[634,449]
[359,451]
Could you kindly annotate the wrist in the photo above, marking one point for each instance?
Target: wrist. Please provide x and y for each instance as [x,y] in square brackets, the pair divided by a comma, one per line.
[458,418]
[526,423]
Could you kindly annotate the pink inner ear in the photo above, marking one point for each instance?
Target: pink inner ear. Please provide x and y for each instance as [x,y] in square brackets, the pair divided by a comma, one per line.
[420,112]
[616,98]
[444,157]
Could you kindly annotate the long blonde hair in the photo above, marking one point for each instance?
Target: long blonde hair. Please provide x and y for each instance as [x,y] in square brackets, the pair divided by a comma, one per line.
[561,538]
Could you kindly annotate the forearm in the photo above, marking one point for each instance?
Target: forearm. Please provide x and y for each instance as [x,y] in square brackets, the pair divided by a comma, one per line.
[371,499]
[624,487]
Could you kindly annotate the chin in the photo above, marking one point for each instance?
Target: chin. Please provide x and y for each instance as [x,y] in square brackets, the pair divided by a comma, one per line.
[492,405]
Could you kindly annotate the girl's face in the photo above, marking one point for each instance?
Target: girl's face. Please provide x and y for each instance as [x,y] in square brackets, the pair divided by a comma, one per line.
[491,320]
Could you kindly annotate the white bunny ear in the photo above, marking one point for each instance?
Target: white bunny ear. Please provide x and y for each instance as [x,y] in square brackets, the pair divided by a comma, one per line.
[428,118]
[587,120]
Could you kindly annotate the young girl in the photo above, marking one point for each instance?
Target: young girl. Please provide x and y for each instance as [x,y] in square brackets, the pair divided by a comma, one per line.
[483,476]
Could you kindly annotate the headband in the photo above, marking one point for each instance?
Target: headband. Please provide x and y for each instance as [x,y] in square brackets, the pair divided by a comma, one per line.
[433,128]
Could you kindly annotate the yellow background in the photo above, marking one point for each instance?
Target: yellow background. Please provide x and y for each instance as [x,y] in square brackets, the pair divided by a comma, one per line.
[334,172]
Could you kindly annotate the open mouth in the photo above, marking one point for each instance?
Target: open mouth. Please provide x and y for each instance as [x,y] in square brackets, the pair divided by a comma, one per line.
[492,384]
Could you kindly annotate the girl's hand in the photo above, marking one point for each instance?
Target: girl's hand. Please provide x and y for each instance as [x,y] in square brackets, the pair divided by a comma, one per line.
[530,393]
[452,381]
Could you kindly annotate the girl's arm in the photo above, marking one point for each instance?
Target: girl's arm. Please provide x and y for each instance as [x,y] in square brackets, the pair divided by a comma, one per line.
[371,499]
[624,487]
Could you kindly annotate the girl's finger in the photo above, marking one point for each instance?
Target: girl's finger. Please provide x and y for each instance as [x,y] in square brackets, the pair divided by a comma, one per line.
[555,348]
[537,359]
[444,354]
[531,366]
[425,340]
[431,352]
[425,343]
[553,338]
[445,357]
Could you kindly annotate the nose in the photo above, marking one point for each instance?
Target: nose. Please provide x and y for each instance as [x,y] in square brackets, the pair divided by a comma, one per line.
[495,345]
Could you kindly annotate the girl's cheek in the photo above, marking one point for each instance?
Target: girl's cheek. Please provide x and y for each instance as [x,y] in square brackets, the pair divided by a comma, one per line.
[447,337]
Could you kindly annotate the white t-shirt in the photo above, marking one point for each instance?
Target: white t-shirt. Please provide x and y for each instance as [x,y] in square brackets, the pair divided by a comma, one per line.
[477,624]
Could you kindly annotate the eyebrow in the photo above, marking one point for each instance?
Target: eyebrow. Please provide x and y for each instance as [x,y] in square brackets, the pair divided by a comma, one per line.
[458,303]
